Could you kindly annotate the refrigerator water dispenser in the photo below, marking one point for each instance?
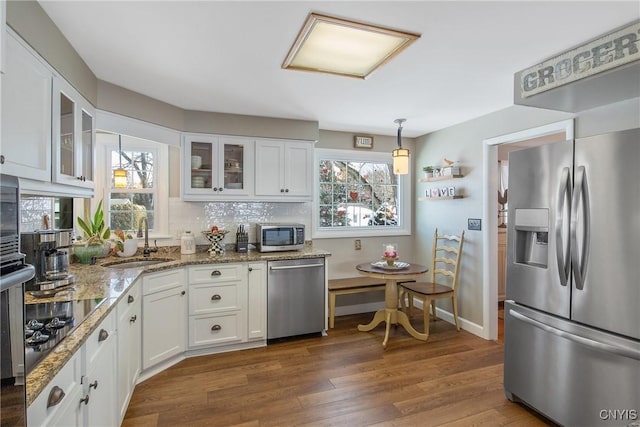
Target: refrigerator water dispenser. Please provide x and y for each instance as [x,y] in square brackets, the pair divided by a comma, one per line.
[532,237]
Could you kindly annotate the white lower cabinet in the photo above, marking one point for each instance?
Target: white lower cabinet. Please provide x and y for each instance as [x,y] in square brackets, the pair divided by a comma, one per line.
[129,345]
[99,382]
[164,316]
[59,402]
[257,303]
[83,393]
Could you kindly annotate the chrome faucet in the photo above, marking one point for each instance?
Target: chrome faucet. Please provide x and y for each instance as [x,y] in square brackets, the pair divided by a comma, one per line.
[147,250]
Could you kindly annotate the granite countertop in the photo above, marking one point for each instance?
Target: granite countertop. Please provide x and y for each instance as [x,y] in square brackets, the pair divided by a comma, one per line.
[99,281]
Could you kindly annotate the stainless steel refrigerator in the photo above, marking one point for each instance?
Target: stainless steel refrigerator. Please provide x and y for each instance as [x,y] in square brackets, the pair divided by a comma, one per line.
[572,314]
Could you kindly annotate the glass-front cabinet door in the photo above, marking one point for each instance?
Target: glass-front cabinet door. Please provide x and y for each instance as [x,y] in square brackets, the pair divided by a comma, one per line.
[217,167]
[73,128]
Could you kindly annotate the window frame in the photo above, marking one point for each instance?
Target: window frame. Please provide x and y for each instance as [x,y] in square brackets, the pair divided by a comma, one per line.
[404,197]
[160,190]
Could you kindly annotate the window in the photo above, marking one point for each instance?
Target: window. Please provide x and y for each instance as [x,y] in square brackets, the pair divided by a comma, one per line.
[127,206]
[146,193]
[358,194]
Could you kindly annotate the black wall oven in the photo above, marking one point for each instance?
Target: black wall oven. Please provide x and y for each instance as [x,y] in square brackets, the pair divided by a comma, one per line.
[13,275]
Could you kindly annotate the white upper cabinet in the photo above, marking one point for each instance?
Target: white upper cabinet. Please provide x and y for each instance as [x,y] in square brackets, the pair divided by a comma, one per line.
[284,170]
[73,127]
[26,113]
[217,167]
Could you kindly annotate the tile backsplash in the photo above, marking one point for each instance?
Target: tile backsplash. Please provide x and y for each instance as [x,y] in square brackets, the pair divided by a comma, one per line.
[32,212]
[199,216]
[194,216]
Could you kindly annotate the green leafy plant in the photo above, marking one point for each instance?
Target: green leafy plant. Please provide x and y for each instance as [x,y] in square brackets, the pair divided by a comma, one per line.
[428,169]
[94,227]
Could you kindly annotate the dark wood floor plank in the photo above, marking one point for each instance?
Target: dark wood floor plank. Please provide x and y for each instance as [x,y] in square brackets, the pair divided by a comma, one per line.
[343,379]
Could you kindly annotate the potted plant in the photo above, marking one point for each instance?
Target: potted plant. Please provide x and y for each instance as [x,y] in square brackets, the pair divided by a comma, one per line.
[96,232]
[428,171]
[126,244]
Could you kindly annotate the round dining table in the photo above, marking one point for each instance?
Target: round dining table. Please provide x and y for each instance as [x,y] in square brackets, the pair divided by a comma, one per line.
[390,314]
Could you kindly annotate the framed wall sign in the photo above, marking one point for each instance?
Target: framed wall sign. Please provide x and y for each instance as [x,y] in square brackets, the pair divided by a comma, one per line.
[363,141]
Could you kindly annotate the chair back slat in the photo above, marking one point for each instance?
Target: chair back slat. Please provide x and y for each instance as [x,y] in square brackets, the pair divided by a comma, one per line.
[451,247]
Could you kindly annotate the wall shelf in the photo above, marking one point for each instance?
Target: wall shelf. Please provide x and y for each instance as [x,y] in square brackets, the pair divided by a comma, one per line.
[428,199]
[440,178]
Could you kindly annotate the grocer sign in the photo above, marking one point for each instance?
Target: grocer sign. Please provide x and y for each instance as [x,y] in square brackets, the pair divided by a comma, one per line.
[609,51]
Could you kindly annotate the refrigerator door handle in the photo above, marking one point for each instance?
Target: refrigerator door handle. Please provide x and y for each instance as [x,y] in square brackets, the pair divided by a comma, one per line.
[587,342]
[564,194]
[580,261]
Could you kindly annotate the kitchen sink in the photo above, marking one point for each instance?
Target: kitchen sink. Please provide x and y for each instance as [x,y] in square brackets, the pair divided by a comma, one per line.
[137,263]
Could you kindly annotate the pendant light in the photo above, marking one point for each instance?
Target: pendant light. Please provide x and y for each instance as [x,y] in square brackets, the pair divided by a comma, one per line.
[400,155]
[120,175]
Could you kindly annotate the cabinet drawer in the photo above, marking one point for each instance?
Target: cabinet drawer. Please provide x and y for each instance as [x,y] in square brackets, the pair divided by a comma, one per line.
[211,330]
[98,339]
[67,381]
[216,273]
[162,281]
[214,298]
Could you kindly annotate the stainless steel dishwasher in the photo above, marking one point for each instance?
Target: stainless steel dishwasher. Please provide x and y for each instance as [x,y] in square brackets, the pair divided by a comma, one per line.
[295,297]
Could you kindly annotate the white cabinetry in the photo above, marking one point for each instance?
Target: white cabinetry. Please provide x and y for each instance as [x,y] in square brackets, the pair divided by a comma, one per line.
[163,316]
[284,169]
[73,128]
[26,113]
[217,167]
[129,346]
[257,302]
[83,393]
[99,382]
[217,304]
[59,402]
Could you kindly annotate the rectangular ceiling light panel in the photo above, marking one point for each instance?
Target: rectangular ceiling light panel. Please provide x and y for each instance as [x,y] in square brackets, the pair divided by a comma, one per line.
[336,46]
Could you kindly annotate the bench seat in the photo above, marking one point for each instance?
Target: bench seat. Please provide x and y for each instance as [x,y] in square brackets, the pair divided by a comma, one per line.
[350,285]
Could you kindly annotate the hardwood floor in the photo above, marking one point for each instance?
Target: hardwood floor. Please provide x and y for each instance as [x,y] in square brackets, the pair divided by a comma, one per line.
[344,379]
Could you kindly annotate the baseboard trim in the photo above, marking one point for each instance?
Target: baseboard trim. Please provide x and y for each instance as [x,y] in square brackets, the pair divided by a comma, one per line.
[465,324]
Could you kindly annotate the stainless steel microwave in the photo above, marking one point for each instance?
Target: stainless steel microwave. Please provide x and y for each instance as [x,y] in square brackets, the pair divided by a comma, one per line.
[272,237]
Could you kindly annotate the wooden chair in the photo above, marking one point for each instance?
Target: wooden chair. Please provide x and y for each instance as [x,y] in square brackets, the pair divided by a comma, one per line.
[445,265]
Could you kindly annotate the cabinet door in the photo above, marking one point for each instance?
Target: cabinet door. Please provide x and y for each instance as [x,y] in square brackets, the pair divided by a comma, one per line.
[200,155]
[53,408]
[129,333]
[257,302]
[236,175]
[99,385]
[298,169]
[26,114]
[73,136]
[269,180]
[163,326]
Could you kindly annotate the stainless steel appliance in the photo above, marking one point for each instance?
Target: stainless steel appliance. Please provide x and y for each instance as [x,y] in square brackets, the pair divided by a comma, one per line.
[295,297]
[48,251]
[13,274]
[271,237]
[572,315]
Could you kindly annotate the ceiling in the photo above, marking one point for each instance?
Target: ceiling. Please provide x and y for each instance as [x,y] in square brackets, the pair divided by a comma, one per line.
[226,56]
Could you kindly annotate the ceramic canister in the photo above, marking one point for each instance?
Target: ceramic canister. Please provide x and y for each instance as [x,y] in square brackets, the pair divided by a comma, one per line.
[187,243]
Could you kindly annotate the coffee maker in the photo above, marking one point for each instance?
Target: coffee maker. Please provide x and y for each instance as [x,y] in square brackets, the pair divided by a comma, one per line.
[48,252]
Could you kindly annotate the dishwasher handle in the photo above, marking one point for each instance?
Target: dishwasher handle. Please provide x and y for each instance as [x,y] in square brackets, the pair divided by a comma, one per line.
[294,267]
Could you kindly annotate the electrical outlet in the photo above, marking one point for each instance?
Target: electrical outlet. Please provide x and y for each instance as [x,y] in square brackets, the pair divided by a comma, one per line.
[358,244]
[474,224]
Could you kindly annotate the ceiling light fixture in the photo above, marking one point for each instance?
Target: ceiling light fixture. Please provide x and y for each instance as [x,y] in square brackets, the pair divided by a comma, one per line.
[400,155]
[120,175]
[346,48]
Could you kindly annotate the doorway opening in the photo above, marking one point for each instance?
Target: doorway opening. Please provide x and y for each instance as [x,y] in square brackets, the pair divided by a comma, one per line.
[493,150]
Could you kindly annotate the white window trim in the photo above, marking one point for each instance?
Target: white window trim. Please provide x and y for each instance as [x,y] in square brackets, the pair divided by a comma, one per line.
[161,190]
[404,190]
